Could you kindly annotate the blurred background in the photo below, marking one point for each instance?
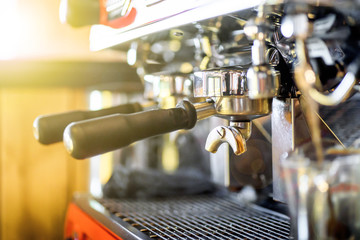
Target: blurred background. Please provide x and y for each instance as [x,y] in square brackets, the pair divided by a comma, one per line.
[45,67]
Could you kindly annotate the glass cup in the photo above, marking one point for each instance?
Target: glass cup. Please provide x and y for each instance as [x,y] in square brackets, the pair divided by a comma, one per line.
[323,198]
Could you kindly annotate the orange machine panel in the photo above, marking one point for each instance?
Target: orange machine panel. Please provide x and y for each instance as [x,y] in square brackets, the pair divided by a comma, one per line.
[80,226]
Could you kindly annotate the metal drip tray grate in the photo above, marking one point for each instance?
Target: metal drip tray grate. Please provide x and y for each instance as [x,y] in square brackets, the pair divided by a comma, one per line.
[199,217]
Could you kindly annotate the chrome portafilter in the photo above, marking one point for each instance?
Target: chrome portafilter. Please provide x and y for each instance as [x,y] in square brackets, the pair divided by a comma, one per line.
[228,88]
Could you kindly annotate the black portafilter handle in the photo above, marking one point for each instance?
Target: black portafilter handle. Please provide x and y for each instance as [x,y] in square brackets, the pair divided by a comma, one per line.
[96,136]
[49,129]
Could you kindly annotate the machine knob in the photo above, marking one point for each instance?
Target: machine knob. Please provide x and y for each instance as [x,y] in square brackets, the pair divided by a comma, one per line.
[79,13]
[96,136]
[49,129]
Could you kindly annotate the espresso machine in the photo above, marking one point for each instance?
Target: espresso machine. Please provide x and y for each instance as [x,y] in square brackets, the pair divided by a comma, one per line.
[256,79]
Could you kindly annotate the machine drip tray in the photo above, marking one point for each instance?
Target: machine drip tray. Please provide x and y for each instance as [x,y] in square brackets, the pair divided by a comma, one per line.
[197,217]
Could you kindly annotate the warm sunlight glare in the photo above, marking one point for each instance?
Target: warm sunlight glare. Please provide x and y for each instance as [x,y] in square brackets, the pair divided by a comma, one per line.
[8,29]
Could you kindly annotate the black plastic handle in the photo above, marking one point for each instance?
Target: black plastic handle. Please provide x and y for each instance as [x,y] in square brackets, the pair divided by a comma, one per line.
[96,136]
[50,128]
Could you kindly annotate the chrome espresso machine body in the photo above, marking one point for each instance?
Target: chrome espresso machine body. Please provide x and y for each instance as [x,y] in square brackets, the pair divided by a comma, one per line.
[263,69]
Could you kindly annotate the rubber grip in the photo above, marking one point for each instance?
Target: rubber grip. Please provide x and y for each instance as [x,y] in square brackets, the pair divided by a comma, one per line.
[96,136]
[49,129]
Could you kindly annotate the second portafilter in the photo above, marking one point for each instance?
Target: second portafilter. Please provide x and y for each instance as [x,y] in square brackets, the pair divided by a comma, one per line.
[228,97]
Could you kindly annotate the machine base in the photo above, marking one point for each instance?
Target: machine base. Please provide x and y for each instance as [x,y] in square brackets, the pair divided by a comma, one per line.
[188,217]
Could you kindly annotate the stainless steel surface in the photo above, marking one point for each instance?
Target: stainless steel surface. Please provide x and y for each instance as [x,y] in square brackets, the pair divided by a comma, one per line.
[230,135]
[243,127]
[204,110]
[220,82]
[290,129]
[199,217]
[283,140]
[242,108]
[167,85]
[261,78]
[229,91]
[258,51]
[257,29]
[262,82]
[162,16]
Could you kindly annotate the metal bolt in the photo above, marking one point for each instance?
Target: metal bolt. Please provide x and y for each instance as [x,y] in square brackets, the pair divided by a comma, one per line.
[273,56]
[178,34]
[221,132]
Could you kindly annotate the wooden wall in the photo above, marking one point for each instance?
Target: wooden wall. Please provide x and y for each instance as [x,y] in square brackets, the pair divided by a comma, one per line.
[36,181]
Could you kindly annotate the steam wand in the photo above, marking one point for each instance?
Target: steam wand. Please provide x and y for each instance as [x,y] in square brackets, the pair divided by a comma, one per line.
[306,78]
